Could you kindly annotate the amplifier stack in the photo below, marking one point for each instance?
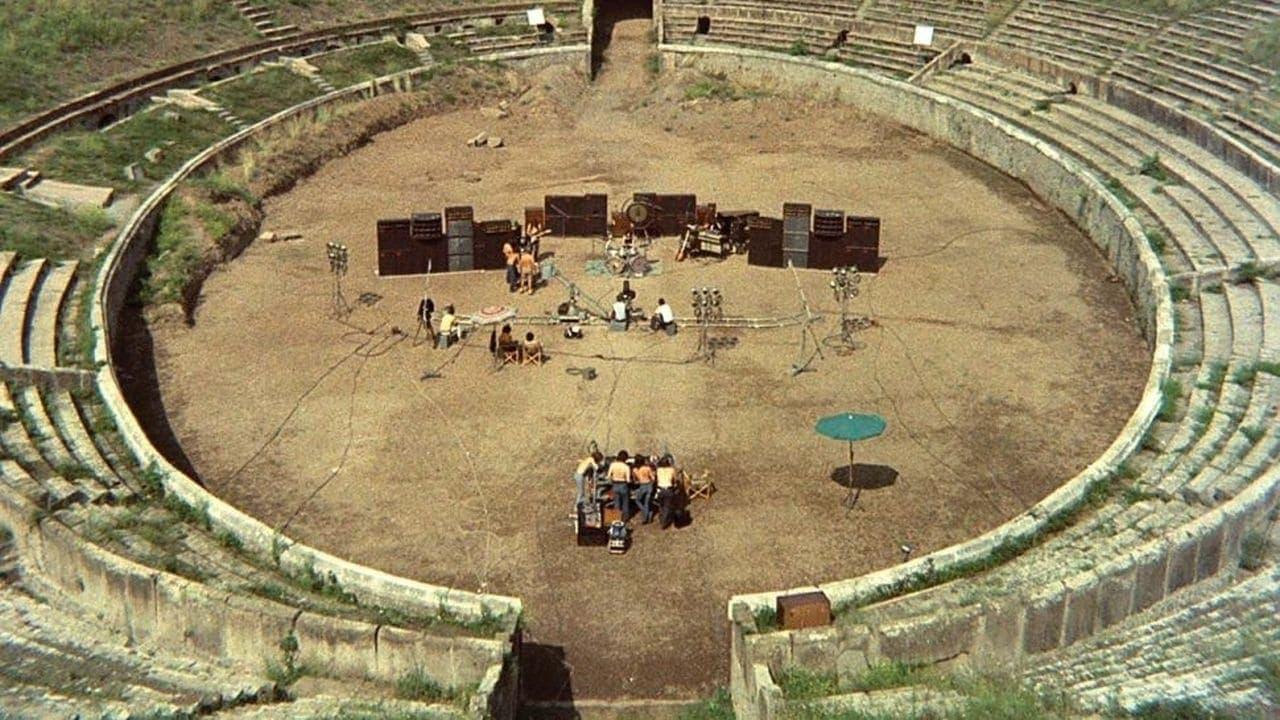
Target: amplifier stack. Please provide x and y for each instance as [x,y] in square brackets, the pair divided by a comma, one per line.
[460,230]
[797,219]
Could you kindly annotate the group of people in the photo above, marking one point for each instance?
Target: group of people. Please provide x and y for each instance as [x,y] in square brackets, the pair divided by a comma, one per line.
[522,260]
[624,312]
[653,481]
[529,350]
[450,328]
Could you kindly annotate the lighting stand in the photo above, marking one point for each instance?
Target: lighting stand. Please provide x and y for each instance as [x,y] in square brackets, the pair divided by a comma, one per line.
[708,307]
[338,256]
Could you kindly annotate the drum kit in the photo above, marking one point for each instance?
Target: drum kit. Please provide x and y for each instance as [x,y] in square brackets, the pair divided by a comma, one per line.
[627,249]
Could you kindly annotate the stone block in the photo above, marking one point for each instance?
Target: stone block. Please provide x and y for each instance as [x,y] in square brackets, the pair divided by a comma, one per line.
[1042,629]
[1081,613]
[1182,565]
[850,663]
[417,42]
[336,646]
[930,639]
[1000,631]
[1115,598]
[1209,556]
[449,661]
[1149,579]
[815,649]
[772,650]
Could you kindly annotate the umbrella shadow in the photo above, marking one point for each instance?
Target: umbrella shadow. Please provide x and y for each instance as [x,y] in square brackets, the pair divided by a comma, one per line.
[865,476]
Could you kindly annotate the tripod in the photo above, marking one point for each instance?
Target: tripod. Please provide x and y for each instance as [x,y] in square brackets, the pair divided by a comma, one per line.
[804,360]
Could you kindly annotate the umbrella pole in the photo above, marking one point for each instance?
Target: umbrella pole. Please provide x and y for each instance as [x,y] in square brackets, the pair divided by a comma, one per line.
[852,498]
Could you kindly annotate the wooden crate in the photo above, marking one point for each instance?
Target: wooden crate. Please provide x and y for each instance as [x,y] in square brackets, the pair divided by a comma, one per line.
[803,610]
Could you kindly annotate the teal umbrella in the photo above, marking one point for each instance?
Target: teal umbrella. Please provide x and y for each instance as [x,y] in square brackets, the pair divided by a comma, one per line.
[850,427]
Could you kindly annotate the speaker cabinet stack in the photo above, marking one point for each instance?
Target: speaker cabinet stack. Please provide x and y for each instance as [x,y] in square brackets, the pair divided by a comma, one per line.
[490,237]
[577,215]
[827,246]
[764,245]
[460,231]
[395,248]
[862,234]
[797,218]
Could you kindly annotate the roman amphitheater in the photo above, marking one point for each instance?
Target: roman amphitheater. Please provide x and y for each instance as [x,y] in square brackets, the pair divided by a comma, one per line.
[236,480]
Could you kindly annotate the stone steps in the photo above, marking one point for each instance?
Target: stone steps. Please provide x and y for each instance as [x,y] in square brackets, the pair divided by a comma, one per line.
[1248,210]
[1204,642]
[1199,249]
[1238,224]
[42,333]
[53,660]
[14,307]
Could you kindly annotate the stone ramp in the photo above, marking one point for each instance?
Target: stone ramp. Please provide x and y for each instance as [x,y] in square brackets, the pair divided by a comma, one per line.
[70,195]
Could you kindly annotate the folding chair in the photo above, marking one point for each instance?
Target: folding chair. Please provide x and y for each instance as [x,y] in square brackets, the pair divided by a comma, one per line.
[700,487]
[510,354]
[532,358]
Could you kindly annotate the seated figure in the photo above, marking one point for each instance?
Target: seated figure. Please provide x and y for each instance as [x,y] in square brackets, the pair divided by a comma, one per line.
[664,318]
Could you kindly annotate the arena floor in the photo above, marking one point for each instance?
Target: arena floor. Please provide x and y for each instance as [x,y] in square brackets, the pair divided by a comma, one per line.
[1005,360]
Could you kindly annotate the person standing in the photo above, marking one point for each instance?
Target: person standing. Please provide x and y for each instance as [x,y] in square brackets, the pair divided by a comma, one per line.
[620,482]
[426,307]
[586,468]
[511,256]
[667,492]
[528,266]
[644,489]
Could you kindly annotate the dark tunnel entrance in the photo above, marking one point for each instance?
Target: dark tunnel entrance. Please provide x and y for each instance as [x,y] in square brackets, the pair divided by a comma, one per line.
[609,13]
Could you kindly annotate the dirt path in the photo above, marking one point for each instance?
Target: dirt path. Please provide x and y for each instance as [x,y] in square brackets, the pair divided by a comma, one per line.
[1005,361]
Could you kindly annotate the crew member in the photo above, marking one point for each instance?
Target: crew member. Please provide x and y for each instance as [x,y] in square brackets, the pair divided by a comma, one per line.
[449,330]
[620,481]
[644,489]
[621,313]
[664,318]
[668,492]
[426,307]
[513,275]
[532,347]
[528,266]
[586,468]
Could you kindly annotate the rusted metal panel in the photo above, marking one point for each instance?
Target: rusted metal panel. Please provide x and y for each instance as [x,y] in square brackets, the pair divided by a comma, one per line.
[394,247]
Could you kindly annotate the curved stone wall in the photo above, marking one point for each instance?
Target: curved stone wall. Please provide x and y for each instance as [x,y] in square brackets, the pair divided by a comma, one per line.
[1060,181]
[112,285]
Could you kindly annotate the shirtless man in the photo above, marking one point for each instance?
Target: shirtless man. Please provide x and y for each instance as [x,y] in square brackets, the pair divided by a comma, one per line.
[528,268]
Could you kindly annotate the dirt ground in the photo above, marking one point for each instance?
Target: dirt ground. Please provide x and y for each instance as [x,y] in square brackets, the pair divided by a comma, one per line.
[1004,360]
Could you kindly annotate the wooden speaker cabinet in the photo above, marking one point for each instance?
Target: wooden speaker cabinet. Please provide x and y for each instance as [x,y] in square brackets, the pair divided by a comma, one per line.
[803,610]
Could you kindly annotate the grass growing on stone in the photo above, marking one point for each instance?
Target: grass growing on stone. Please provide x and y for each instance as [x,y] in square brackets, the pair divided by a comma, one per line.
[417,685]
[1217,374]
[1156,240]
[1117,188]
[1262,45]
[100,157]
[257,95]
[51,51]
[717,707]
[33,230]
[1152,168]
[1170,391]
[799,683]
[1254,547]
[883,676]
[175,257]
[349,67]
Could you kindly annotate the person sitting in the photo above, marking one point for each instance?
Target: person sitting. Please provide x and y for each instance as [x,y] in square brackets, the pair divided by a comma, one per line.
[532,349]
[513,274]
[528,266]
[620,317]
[586,469]
[664,318]
[450,328]
[620,482]
[644,488]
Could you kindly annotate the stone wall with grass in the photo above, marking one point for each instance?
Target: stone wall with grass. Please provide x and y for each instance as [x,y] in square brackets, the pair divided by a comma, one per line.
[1079,194]
[476,673]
